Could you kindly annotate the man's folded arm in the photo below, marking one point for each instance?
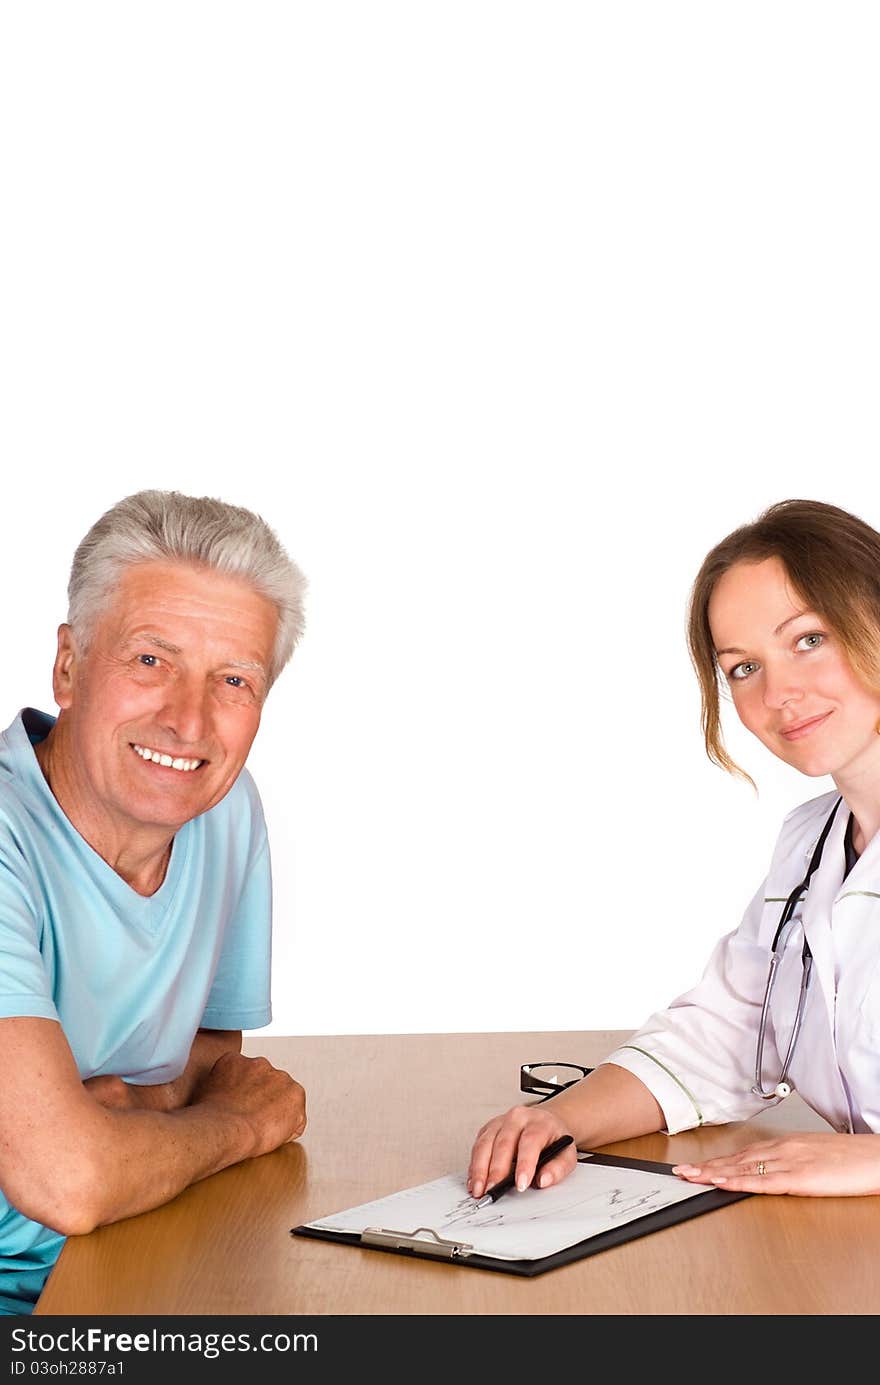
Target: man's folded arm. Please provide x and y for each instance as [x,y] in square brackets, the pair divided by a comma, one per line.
[72,1163]
[207,1046]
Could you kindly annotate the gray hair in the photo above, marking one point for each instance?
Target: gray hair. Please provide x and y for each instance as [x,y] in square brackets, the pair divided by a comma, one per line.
[166,526]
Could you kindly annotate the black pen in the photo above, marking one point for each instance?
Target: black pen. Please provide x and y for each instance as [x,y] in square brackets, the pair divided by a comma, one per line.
[494,1193]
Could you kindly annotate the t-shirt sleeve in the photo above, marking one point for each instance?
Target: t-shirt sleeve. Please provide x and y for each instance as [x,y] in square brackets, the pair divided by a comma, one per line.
[240,996]
[25,988]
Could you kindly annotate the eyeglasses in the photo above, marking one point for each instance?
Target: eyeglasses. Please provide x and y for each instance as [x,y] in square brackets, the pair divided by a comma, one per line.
[546,1079]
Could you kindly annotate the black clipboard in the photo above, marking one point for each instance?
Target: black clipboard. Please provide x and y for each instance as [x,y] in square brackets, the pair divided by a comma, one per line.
[424,1243]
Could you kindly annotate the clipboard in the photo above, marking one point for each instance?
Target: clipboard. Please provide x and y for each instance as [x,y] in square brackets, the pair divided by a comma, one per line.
[425,1243]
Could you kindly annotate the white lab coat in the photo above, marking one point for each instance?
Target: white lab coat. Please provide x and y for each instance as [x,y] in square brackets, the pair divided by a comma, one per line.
[698,1055]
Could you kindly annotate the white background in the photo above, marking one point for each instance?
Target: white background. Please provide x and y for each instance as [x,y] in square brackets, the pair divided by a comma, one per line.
[501,314]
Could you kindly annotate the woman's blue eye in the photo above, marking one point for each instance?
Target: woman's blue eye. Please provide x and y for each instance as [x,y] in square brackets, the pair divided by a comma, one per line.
[740,671]
[235,681]
[812,641]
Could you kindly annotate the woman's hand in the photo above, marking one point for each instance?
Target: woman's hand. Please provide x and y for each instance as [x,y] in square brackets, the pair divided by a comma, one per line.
[514,1140]
[811,1164]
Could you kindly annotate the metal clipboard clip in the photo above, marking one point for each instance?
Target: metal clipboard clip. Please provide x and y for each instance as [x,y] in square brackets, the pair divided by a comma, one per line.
[416,1240]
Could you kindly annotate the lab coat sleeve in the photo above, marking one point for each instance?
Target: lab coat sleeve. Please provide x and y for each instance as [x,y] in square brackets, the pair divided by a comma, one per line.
[697,1056]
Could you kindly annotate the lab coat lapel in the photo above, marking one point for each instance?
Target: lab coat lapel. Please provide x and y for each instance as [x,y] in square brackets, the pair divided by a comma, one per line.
[857,925]
[819,903]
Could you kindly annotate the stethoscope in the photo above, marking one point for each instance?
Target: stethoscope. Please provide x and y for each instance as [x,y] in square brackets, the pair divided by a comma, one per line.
[783,1087]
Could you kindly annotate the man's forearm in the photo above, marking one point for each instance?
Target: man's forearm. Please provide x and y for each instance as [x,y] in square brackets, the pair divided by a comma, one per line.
[81,1156]
[169,1150]
[122,1162]
[207,1046]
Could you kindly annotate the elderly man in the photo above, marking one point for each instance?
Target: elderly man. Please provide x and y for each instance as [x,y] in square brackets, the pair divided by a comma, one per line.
[135,889]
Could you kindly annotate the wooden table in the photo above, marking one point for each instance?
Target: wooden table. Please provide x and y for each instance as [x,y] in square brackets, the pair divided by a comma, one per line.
[389,1111]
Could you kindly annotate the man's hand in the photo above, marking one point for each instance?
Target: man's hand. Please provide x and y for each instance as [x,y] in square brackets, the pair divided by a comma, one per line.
[268,1099]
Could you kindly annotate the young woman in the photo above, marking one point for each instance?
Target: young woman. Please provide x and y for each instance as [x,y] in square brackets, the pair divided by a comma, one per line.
[786,613]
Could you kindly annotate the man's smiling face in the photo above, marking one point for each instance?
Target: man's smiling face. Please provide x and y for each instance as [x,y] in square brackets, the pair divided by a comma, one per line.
[163,705]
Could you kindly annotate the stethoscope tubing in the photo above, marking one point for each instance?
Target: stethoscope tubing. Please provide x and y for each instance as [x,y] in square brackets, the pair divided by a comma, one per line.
[783,1087]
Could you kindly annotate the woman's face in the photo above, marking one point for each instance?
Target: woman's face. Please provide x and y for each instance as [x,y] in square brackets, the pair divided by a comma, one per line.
[791,684]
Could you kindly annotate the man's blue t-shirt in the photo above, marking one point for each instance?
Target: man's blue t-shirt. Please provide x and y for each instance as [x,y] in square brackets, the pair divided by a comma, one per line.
[129,978]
